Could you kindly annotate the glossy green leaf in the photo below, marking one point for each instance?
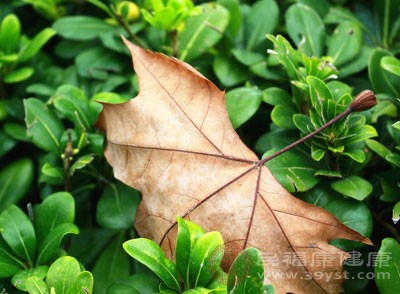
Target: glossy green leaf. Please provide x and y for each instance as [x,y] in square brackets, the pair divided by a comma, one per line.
[108,97]
[350,212]
[15,181]
[242,104]
[387,267]
[246,274]
[188,233]
[98,63]
[62,274]
[17,230]
[345,43]
[9,264]
[51,243]
[295,169]
[138,283]
[20,278]
[10,31]
[284,110]
[320,6]
[7,143]
[378,148]
[254,29]
[80,28]
[235,16]
[205,258]
[43,126]
[202,31]
[56,209]
[18,75]
[16,131]
[391,64]
[382,82]
[306,29]
[357,64]
[55,174]
[117,206]
[83,283]
[198,290]
[35,285]
[150,254]
[247,57]
[354,187]
[111,265]
[34,46]
[229,72]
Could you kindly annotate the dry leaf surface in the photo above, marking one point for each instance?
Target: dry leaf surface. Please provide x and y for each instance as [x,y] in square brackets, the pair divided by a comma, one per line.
[175,144]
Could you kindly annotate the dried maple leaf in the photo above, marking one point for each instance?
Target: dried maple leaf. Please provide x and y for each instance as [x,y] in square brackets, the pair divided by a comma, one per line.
[175,144]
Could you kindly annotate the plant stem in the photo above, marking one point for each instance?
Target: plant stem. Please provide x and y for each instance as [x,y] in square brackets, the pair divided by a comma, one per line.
[365,100]
[310,135]
[125,26]
[68,153]
[175,46]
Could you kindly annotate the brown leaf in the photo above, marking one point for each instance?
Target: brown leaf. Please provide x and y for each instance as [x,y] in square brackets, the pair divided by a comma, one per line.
[175,144]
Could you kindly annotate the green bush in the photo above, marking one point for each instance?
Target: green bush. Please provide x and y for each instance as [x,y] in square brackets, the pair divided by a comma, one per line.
[288,67]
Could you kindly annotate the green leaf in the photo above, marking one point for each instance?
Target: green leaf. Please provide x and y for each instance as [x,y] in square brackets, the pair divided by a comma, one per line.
[246,274]
[108,97]
[202,31]
[320,94]
[72,103]
[247,57]
[320,6]
[10,31]
[387,267]
[205,258]
[295,169]
[17,230]
[391,64]
[97,63]
[229,72]
[138,283]
[18,75]
[354,187]
[198,290]
[51,243]
[9,264]
[62,274]
[43,126]
[188,233]
[80,28]
[34,46]
[378,148]
[111,265]
[16,131]
[345,43]
[254,29]
[83,283]
[150,254]
[7,143]
[15,181]
[56,209]
[80,163]
[396,213]
[117,206]
[19,279]
[352,213]
[242,104]
[357,64]
[235,19]
[382,82]
[306,29]
[35,285]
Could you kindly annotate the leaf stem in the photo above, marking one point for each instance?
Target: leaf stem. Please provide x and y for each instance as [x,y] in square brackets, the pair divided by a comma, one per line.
[125,26]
